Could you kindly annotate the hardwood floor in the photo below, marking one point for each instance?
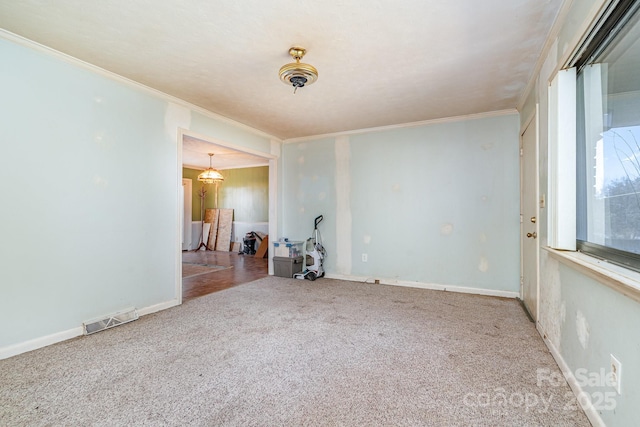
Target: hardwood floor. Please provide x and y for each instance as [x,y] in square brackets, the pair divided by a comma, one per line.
[244,269]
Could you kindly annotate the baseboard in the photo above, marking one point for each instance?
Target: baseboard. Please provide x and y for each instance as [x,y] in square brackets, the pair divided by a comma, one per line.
[36,343]
[430,286]
[158,307]
[590,412]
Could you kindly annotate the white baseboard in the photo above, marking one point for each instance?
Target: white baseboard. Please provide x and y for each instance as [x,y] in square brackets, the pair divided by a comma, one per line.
[36,343]
[158,307]
[430,286]
[589,410]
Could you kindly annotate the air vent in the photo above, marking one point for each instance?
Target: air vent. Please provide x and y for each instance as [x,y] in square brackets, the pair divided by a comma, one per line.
[116,319]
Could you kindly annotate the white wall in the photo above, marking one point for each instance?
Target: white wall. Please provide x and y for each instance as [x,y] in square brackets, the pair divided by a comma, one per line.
[429,205]
[89,176]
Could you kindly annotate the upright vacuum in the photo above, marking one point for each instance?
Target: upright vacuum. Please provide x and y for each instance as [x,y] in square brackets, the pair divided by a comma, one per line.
[314,252]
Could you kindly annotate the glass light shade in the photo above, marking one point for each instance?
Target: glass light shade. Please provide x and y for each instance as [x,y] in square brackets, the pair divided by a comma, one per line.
[210,176]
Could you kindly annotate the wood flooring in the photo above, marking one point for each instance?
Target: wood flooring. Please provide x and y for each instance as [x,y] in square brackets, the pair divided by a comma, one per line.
[244,269]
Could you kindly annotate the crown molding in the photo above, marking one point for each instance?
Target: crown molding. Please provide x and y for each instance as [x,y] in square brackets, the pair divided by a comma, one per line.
[496,113]
[7,35]
[549,41]
[12,37]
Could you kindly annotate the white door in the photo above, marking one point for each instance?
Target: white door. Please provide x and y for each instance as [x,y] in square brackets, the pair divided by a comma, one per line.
[187,191]
[529,217]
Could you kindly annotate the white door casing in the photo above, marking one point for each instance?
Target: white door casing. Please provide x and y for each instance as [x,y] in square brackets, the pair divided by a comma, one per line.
[187,191]
[529,211]
[272,159]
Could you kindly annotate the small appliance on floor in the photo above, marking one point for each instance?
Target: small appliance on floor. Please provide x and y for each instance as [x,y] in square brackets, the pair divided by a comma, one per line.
[249,243]
[314,251]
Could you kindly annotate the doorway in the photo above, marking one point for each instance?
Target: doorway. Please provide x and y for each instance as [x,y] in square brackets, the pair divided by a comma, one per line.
[222,269]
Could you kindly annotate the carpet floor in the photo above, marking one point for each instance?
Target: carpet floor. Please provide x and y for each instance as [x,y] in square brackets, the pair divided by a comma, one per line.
[285,352]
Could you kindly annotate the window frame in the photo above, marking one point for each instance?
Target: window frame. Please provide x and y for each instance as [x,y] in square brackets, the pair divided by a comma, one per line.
[612,22]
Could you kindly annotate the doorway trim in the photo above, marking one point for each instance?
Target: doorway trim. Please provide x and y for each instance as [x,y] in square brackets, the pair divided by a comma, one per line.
[272,159]
[187,213]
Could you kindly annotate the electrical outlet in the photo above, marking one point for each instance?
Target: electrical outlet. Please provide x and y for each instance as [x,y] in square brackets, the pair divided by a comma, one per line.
[616,373]
[365,258]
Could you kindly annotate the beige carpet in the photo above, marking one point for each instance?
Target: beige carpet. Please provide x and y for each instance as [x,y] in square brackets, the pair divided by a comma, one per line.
[190,269]
[285,352]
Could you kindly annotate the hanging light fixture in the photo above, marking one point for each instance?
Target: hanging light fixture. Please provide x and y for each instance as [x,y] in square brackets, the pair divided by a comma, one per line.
[210,175]
[297,73]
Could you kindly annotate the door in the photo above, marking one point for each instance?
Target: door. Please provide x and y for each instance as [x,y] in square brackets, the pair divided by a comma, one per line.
[529,217]
[187,201]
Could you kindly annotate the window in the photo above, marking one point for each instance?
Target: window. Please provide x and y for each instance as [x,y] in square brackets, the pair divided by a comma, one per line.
[608,139]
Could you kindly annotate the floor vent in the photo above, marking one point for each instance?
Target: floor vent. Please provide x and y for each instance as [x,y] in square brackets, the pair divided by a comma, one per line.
[116,319]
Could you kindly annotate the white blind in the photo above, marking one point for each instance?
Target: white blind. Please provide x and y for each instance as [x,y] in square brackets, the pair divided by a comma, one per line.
[562,161]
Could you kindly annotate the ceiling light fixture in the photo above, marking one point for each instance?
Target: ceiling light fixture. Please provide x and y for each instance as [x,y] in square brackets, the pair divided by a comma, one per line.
[297,73]
[210,175]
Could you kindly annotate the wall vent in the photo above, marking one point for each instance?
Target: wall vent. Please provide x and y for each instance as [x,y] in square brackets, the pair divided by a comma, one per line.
[97,325]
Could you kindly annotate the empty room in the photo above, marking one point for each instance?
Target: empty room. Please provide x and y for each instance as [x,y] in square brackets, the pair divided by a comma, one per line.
[444,199]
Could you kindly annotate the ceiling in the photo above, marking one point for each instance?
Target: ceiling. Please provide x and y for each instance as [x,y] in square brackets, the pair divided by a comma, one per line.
[195,155]
[380,62]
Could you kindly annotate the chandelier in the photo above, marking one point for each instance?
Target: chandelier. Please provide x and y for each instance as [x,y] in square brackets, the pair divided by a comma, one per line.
[210,175]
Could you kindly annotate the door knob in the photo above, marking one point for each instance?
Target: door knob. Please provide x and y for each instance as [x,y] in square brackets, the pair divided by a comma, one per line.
[533,219]
[534,235]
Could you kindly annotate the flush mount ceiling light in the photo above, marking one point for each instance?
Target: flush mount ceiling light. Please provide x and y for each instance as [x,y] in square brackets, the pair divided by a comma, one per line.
[297,73]
[210,175]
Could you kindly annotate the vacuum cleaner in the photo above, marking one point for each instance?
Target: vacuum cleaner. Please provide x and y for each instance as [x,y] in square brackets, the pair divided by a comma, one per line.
[314,252]
[249,243]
